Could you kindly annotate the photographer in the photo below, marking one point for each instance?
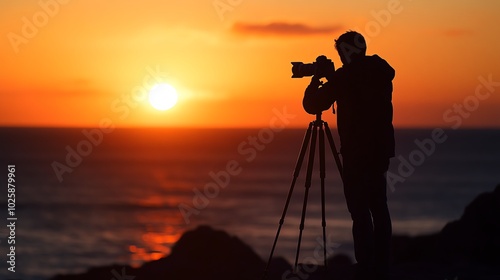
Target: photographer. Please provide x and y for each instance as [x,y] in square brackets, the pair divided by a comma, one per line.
[362,89]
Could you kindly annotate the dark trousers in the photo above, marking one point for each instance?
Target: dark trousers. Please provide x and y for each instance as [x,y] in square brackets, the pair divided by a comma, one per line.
[365,192]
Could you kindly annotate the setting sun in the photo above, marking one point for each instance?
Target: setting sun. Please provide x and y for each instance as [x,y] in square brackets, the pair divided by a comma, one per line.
[163,97]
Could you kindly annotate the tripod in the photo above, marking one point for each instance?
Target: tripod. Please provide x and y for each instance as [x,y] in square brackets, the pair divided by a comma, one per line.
[311,132]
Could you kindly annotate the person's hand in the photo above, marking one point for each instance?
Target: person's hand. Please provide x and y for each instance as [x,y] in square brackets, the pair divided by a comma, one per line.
[315,82]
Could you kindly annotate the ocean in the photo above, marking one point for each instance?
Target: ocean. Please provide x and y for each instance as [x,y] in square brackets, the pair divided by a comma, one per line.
[86,198]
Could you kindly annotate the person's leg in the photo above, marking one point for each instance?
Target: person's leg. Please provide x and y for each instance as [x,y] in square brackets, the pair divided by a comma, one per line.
[382,228]
[357,199]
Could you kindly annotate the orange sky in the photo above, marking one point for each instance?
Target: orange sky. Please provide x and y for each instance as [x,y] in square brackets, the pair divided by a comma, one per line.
[74,63]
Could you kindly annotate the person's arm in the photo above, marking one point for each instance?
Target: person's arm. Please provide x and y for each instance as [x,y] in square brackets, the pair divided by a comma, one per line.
[317,97]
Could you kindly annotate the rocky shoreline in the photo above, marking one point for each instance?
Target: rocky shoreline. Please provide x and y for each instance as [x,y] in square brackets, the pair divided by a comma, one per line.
[468,248]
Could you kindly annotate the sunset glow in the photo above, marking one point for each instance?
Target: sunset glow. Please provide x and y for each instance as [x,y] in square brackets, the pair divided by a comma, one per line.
[62,67]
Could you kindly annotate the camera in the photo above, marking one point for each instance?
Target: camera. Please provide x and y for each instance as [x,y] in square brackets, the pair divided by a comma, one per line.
[322,67]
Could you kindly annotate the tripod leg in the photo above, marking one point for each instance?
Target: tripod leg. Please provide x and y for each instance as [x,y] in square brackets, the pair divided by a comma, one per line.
[298,165]
[322,176]
[310,164]
[334,150]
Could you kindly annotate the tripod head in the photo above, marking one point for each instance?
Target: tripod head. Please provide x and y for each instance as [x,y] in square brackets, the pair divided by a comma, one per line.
[318,117]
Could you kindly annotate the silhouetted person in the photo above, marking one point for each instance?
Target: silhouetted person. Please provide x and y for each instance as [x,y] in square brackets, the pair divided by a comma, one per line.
[362,88]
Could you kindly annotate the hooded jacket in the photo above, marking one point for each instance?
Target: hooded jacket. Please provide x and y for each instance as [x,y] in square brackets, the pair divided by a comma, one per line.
[363,92]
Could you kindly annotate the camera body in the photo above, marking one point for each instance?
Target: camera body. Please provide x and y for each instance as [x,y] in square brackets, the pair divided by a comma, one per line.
[322,67]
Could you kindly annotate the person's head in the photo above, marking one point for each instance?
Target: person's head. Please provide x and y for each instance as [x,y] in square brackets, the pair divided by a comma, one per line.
[350,46]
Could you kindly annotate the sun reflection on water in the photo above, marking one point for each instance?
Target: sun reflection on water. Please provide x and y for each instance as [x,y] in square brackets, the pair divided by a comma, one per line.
[160,232]
[155,245]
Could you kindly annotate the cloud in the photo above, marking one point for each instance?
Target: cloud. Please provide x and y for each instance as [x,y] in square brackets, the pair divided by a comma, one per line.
[282,29]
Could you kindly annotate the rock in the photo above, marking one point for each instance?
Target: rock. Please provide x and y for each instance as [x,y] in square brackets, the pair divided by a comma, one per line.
[464,249]
[105,272]
[205,253]
[475,237]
